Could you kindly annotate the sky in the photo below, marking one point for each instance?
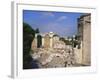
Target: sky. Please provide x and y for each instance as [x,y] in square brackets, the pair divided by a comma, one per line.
[62,23]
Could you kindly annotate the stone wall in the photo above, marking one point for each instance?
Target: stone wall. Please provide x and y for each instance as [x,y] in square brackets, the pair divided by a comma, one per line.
[47,41]
[84,31]
[87,41]
[78,55]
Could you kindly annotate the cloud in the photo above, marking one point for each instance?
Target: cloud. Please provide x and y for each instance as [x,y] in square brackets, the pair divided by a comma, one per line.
[61,18]
[61,30]
[46,14]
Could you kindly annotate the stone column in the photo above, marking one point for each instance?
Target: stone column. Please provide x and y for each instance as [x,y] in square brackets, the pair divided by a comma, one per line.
[42,41]
[51,43]
[35,40]
[51,39]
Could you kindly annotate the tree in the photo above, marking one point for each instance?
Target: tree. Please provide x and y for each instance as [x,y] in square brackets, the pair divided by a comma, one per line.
[37,30]
[67,42]
[28,36]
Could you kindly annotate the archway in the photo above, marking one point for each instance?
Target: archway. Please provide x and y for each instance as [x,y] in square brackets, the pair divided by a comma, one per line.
[39,41]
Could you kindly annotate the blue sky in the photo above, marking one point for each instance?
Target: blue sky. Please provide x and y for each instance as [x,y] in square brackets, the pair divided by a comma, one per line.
[62,23]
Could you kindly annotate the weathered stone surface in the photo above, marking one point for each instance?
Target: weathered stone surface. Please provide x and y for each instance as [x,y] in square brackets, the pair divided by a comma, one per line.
[54,57]
[84,30]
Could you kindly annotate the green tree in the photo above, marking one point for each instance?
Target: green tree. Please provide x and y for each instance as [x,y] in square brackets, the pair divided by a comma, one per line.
[67,42]
[37,30]
[28,36]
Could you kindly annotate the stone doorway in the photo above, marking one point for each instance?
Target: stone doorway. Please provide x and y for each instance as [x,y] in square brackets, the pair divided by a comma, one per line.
[39,41]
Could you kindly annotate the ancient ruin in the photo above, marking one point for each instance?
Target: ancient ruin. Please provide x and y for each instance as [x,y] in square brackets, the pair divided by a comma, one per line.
[50,51]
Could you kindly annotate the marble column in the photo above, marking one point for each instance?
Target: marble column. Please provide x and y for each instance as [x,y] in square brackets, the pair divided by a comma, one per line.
[51,43]
[36,40]
[42,41]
